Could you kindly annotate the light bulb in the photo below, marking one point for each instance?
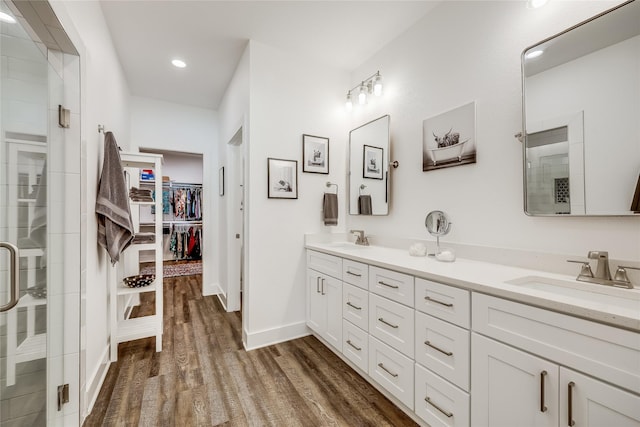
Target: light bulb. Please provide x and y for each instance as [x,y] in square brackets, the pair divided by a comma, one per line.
[5,17]
[377,85]
[178,63]
[348,105]
[362,96]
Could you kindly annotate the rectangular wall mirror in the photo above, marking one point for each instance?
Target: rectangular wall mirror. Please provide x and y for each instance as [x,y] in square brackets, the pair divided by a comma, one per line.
[369,147]
[581,109]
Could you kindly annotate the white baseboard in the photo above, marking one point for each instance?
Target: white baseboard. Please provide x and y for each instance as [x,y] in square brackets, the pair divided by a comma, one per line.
[266,337]
[211,289]
[96,380]
[223,300]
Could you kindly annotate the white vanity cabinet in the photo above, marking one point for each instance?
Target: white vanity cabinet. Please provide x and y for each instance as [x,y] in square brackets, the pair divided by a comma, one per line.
[324,297]
[511,386]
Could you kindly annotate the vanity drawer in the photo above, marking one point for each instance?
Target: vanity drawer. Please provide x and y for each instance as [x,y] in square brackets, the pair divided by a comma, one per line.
[602,351]
[327,264]
[391,370]
[391,284]
[355,273]
[355,306]
[392,323]
[444,302]
[438,402]
[444,348]
[355,346]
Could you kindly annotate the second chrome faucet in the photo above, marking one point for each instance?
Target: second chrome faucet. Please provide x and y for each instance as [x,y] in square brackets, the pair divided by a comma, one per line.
[361,239]
[603,273]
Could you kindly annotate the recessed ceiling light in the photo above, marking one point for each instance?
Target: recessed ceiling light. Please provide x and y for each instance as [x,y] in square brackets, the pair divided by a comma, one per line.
[534,54]
[179,63]
[534,4]
[5,17]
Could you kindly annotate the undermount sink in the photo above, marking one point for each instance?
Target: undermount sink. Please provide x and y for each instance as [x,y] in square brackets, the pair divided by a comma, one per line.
[623,298]
[345,245]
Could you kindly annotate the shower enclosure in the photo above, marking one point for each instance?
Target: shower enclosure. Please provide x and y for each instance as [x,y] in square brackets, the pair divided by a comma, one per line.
[39,199]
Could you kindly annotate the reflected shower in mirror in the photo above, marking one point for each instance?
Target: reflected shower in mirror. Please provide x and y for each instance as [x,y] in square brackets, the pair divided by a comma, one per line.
[369,147]
[581,108]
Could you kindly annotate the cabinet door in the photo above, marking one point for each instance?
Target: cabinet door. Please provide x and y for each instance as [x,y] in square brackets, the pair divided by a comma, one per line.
[510,387]
[316,304]
[331,291]
[587,402]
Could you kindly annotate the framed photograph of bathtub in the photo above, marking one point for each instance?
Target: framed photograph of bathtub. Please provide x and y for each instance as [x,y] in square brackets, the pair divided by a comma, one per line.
[315,154]
[372,162]
[449,139]
[282,178]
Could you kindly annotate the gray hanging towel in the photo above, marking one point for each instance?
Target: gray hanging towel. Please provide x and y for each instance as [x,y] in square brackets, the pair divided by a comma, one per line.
[364,205]
[115,226]
[330,209]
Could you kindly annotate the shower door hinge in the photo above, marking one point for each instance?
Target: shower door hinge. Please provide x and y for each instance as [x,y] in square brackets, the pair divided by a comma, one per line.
[64,117]
[63,395]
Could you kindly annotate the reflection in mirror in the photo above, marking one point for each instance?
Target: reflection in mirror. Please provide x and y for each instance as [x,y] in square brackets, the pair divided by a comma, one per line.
[369,168]
[581,109]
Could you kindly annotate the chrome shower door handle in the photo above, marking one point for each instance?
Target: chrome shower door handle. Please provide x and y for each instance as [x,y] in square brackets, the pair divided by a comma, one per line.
[14,276]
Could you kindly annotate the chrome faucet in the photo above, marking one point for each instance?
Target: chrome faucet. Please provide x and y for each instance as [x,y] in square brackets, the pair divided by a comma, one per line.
[361,239]
[603,273]
[602,268]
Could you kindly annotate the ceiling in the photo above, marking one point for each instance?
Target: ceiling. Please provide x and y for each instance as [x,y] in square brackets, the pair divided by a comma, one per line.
[210,36]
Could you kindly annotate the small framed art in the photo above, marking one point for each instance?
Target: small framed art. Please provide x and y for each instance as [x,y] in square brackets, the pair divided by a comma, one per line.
[221,181]
[315,154]
[282,178]
[372,162]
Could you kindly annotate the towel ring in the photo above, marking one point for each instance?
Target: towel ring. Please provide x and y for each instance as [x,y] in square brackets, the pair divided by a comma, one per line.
[329,184]
[362,187]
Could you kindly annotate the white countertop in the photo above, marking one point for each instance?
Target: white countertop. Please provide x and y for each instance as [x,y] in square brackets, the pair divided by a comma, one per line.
[491,279]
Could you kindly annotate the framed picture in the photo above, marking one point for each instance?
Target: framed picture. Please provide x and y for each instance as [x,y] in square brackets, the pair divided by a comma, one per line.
[449,139]
[282,178]
[315,154]
[372,162]
[221,181]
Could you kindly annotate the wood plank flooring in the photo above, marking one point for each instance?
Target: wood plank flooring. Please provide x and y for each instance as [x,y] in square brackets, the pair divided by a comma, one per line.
[204,377]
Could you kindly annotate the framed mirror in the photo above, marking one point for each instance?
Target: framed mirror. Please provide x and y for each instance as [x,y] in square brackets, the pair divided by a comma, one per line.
[581,109]
[369,147]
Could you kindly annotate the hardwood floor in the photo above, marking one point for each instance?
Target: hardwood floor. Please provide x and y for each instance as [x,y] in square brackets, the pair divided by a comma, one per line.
[204,377]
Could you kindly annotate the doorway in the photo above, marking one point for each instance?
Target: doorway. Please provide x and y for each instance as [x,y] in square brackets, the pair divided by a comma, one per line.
[236,209]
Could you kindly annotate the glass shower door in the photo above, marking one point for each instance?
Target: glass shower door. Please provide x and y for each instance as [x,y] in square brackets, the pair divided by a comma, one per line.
[27,307]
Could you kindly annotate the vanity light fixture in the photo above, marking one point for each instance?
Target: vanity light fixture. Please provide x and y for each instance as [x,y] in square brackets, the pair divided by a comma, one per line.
[534,4]
[370,86]
[178,63]
[534,54]
[5,17]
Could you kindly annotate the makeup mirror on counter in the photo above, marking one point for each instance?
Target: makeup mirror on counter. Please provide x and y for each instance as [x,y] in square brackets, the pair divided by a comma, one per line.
[581,104]
[369,147]
[438,224]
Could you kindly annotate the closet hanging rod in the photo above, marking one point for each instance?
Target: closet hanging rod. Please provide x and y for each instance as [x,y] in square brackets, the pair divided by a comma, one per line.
[329,184]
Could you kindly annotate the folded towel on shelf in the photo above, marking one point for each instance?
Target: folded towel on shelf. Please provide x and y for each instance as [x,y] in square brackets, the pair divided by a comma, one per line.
[115,226]
[144,238]
[364,205]
[140,195]
[330,209]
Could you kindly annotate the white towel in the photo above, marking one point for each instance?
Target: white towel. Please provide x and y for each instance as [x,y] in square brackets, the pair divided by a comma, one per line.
[115,226]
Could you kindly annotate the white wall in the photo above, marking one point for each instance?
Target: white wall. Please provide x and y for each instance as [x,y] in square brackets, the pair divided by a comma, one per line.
[183,168]
[163,125]
[104,100]
[289,96]
[464,51]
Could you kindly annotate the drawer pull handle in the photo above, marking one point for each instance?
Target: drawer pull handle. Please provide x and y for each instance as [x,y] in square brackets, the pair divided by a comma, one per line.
[387,323]
[380,282]
[318,284]
[448,353]
[354,274]
[446,304]
[353,345]
[354,306]
[387,371]
[570,421]
[322,287]
[428,400]
[543,407]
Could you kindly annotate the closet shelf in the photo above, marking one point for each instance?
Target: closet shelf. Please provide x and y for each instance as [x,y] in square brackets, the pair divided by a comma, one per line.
[32,348]
[143,246]
[137,328]
[141,203]
[125,290]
